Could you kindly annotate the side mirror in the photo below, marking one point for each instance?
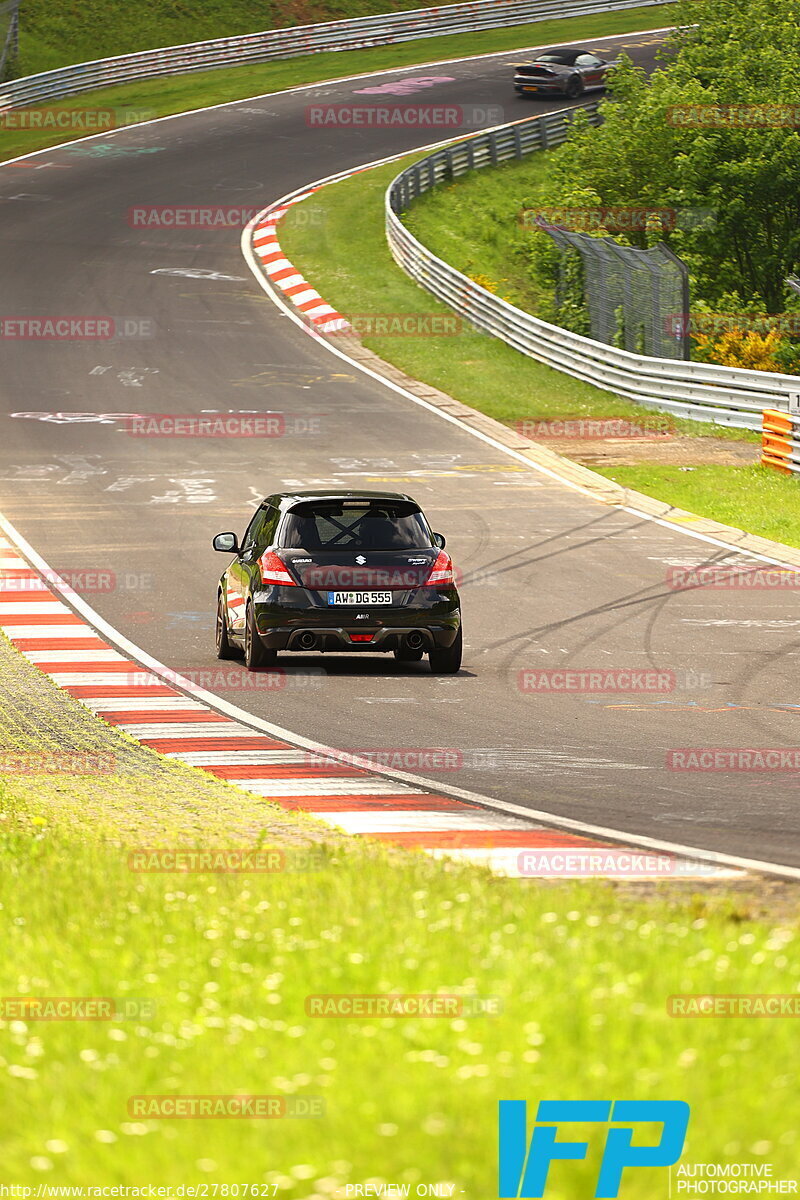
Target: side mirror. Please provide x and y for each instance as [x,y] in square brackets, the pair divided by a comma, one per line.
[439,540]
[226,542]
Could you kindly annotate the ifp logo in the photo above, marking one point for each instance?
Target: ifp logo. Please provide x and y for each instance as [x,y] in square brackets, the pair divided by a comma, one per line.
[523,1168]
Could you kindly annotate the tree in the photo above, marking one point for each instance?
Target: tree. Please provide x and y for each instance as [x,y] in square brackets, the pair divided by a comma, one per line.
[714,128]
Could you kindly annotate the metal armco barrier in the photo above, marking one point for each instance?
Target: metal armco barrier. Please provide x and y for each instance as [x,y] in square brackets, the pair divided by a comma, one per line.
[354,34]
[780,441]
[702,391]
[9,33]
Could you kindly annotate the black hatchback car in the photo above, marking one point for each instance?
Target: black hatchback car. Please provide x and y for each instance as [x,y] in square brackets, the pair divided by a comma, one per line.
[562,71]
[346,571]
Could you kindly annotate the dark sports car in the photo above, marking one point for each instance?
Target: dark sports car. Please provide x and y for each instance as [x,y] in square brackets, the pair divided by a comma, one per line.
[567,71]
[347,571]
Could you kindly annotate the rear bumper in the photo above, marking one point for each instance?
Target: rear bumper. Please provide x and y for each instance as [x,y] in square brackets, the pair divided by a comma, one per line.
[281,625]
[552,89]
[339,638]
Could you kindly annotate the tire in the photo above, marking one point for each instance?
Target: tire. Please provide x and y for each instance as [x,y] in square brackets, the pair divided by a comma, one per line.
[404,655]
[255,652]
[574,87]
[447,660]
[224,648]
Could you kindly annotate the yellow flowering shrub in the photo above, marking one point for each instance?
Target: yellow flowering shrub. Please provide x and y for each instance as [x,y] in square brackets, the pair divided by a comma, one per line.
[735,348]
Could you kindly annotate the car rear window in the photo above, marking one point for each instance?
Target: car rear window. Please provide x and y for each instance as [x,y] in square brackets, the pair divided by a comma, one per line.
[355,525]
[564,60]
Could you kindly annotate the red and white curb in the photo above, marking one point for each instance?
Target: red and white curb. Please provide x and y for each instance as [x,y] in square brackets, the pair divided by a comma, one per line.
[139,701]
[283,275]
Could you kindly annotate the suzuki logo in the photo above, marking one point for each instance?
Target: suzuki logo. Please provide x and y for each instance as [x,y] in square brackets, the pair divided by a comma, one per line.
[360,559]
[524,1167]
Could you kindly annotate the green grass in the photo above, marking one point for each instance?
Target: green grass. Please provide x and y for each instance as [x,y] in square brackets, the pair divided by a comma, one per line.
[342,249]
[55,35]
[78,33]
[581,973]
[758,499]
[491,248]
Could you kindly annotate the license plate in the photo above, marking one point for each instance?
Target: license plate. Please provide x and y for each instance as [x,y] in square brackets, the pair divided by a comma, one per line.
[530,89]
[360,598]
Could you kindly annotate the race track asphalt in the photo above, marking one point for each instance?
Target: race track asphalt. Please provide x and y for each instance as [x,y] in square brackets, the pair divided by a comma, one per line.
[552,578]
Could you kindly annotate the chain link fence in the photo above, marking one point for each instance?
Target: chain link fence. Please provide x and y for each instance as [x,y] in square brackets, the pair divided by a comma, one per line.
[703,391]
[632,295]
[9,34]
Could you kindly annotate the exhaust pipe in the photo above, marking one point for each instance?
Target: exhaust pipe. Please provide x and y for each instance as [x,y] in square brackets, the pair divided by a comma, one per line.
[307,640]
[414,640]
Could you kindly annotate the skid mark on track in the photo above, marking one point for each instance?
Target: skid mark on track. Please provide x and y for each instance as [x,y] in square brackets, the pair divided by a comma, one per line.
[166,719]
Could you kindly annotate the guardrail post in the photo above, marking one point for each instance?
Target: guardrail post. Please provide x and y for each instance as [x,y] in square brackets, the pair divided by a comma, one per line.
[703,391]
[268,45]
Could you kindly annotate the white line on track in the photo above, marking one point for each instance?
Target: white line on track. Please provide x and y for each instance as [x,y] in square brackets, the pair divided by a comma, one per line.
[321,83]
[161,673]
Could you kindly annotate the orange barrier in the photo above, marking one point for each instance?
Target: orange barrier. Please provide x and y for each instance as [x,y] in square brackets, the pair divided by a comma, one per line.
[777,434]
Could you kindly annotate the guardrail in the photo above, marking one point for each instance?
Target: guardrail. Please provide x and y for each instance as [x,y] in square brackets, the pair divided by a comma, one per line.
[702,391]
[9,32]
[352,34]
[780,441]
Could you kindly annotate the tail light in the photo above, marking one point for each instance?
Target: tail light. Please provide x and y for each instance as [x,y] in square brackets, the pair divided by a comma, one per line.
[441,575]
[274,570]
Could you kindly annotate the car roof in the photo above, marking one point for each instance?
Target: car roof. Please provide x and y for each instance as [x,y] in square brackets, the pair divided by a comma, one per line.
[568,53]
[287,500]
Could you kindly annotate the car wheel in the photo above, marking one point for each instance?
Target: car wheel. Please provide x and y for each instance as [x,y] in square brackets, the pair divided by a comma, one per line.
[574,87]
[255,652]
[402,654]
[446,660]
[224,648]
